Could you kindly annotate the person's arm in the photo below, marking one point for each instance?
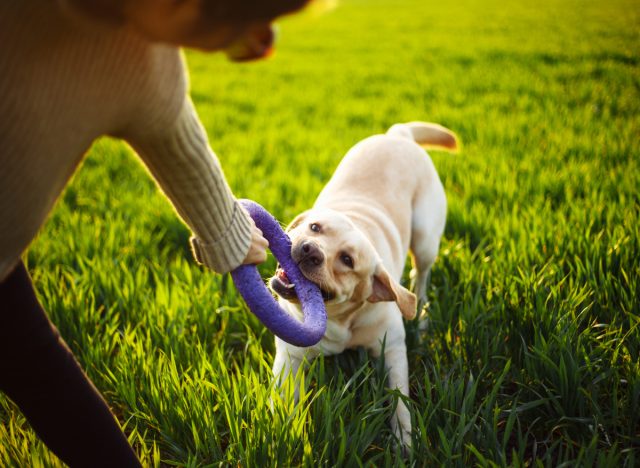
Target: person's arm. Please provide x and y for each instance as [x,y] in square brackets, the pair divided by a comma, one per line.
[180,159]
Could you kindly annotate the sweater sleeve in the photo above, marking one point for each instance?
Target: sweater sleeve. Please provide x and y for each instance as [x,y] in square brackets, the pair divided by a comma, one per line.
[189,173]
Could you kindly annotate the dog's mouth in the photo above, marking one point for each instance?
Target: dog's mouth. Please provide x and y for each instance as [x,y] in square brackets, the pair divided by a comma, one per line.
[283,287]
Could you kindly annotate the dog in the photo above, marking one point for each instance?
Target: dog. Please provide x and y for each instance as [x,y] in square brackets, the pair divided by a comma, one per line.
[385,199]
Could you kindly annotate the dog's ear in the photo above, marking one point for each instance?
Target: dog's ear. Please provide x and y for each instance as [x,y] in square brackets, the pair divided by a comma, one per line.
[297,221]
[384,288]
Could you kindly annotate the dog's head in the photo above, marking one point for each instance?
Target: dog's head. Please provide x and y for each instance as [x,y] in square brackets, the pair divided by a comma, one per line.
[242,28]
[333,253]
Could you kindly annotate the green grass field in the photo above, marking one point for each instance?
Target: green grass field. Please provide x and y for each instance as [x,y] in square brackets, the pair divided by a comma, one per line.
[530,357]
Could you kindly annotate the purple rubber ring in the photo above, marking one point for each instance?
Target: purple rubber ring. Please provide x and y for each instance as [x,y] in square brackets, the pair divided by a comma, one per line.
[260,301]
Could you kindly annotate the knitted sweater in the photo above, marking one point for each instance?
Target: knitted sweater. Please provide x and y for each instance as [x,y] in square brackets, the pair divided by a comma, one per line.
[65,81]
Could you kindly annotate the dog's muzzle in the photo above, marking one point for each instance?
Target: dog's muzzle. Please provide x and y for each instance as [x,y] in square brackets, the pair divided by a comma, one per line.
[284,288]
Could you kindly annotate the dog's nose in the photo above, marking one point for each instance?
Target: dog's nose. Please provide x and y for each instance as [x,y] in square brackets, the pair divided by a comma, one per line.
[308,253]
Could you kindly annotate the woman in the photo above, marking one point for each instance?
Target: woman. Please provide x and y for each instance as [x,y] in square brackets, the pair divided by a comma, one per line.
[72,71]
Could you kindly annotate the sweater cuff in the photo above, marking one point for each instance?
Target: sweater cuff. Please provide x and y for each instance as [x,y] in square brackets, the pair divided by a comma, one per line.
[227,252]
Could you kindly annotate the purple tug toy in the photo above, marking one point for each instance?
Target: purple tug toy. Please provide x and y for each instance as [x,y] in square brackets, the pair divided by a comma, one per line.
[261,302]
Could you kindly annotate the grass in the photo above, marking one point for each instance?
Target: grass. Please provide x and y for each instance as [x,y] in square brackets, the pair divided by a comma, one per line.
[530,356]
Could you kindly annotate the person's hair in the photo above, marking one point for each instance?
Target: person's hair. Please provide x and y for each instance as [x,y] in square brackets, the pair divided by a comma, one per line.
[242,11]
[211,11]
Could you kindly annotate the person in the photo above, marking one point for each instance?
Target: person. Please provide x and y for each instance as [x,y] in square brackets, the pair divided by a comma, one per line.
[72,71]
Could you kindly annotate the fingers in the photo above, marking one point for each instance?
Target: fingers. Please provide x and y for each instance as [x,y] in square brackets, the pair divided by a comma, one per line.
[258,248]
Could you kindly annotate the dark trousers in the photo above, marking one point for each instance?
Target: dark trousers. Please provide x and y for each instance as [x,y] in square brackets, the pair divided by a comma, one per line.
[39,373]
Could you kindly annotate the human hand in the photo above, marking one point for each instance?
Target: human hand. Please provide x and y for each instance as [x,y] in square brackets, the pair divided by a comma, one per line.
[258,247]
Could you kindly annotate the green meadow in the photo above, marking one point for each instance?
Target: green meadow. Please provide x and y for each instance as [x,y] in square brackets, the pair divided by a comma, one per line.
[528,354]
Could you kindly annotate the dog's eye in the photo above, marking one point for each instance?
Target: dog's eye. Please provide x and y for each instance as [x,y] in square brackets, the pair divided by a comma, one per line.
[314,227]
[347,260]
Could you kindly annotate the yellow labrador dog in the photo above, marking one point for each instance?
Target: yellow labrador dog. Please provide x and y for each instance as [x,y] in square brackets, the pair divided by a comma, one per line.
[384,200]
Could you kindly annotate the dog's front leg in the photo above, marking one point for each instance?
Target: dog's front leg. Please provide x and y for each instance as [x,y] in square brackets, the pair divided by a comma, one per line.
[395,357]
[286,362]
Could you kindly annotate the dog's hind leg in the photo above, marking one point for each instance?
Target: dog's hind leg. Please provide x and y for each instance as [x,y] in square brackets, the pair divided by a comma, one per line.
[420,279]
[427,226]
[420,276]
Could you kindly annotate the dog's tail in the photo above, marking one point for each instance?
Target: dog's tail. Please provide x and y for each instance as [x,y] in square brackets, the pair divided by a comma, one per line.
[427,135]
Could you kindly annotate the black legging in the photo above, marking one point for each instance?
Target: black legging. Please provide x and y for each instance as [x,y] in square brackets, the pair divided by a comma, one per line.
[39,373]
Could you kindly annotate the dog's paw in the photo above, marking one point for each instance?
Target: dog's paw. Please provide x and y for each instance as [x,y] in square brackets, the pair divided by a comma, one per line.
[401,427]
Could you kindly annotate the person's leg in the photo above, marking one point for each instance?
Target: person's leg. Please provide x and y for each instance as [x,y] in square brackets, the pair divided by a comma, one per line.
[39,373]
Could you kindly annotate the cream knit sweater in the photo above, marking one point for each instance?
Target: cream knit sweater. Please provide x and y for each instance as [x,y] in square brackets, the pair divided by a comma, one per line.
[65,81]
